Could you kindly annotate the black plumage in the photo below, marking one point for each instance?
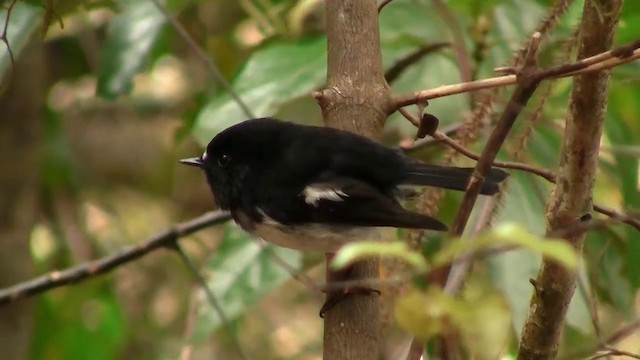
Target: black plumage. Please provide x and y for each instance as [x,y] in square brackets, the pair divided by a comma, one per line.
[294,178]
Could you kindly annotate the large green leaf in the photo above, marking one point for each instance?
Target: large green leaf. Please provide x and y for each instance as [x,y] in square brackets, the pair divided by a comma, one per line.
[241,272]
[130,37]
[281,71]
[273,75]
[22,24]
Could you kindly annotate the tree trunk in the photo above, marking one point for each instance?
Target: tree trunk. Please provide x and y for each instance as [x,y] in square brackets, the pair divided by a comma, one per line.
[357,99]
[572,197]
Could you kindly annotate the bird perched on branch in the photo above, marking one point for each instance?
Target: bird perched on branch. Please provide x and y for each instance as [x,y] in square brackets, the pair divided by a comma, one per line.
[318,188]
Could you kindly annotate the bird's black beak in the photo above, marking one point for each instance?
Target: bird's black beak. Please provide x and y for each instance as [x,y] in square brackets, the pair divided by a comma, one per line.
[194,161]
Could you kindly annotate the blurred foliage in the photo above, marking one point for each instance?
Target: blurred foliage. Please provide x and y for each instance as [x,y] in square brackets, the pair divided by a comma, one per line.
[128,97]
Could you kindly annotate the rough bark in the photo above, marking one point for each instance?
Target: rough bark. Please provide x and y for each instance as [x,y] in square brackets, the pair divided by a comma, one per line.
[356,99]
[572,197]
[20,138]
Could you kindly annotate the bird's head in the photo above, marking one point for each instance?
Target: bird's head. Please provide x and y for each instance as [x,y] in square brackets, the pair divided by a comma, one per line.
[235,157]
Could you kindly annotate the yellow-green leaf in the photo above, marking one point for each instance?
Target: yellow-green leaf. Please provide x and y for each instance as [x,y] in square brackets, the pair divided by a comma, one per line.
[368,249]
[484,323]
[514,235]
[425,314]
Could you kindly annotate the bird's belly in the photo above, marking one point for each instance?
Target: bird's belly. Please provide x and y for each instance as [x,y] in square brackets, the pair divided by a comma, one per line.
[315,237]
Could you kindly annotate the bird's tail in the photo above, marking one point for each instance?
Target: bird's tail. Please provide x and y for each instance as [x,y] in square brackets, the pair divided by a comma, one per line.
[454,178]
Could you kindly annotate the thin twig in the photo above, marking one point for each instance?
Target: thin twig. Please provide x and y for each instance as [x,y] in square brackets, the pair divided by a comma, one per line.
[211,298]
[5,39]
[295,274]
[184,34]
[406,61]
[605,60]
[459,46]
[614,352]
[619,335]
[100,266]
[383,4]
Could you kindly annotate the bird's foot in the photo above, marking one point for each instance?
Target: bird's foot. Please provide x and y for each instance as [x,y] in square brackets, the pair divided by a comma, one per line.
[336,296]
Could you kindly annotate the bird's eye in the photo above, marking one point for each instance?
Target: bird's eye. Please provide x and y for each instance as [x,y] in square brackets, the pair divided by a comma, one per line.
[224,160]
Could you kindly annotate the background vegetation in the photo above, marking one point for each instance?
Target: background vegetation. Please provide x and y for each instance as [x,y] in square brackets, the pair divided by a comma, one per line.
[105,96]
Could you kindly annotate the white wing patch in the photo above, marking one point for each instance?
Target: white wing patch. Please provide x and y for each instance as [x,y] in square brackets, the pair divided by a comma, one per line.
[313,194]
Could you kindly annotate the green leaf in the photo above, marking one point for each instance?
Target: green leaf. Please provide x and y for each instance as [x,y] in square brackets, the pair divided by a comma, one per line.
[425,314]
[130,37]
[480,315]
[74,323]
[485,321]
[241,273]
[22,24]
[510,234]
[367,249]
[272,76]
[557,249]
[406,24]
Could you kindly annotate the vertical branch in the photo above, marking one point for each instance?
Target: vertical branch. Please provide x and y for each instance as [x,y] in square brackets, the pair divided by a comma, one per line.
[356,99]
[572,197]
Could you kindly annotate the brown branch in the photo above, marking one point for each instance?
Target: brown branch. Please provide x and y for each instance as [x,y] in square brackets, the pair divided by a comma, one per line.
[572,197]
[94,268]
[605,60]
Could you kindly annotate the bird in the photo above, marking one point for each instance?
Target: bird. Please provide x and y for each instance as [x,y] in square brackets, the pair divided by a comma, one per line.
[317,188]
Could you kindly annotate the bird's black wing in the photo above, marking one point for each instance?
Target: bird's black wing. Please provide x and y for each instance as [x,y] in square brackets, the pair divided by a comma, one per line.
[347,201]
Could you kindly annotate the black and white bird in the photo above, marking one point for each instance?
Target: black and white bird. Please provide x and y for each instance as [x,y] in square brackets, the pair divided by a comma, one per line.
[318,188]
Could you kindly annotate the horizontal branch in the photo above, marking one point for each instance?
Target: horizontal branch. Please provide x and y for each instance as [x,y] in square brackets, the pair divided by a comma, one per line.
[100,266]
[605,60]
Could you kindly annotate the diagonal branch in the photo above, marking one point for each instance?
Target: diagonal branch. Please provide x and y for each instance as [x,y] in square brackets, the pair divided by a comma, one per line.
[527,84]
[97,267]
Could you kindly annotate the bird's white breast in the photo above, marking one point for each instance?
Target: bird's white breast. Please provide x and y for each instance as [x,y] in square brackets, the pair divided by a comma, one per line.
[315,237]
